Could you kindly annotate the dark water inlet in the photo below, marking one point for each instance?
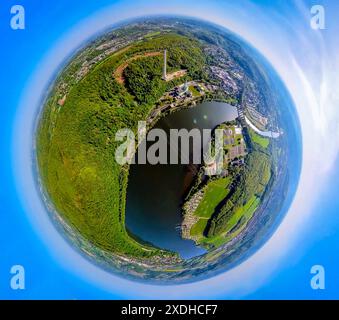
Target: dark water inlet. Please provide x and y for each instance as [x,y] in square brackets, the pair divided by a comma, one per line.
[155,192]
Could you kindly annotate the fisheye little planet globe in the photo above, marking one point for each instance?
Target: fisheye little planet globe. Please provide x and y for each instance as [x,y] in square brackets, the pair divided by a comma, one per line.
[168,150]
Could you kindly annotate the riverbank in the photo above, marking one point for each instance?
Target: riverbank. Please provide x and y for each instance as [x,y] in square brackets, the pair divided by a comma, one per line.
[267,134]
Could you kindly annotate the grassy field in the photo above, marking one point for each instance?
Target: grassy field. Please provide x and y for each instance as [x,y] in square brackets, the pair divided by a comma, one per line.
[215,192]
[198,228]
[245,211]
[152,34]
[194,91]
[262,141]
[237,222]
[76,142]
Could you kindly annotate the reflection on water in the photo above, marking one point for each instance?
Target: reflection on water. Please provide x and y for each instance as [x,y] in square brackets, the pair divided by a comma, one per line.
[155,192]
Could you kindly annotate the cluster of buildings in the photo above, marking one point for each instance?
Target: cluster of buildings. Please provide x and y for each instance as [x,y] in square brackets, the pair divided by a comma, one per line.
[256,116]
[228,84]
[189,218]
[250,102]
[87,65]
[234,151]
[183,90]
[106,48]
[234,145]
[179,96]
[234,82]
[225,71]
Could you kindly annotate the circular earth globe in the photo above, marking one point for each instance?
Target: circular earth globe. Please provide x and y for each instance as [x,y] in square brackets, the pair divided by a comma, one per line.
[168,150]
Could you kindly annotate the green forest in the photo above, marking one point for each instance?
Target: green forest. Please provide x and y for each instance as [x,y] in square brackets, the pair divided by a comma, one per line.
[76,142]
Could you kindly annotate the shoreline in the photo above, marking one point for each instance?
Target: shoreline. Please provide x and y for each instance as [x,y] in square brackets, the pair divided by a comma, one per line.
[266,134]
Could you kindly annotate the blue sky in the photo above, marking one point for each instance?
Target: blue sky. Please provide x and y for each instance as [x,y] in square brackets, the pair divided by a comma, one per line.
[304,58]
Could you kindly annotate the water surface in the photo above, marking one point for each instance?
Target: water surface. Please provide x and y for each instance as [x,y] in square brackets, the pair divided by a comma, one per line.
[155,192]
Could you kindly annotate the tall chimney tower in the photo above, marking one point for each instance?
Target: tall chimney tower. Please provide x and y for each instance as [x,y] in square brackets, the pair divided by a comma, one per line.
[164,73]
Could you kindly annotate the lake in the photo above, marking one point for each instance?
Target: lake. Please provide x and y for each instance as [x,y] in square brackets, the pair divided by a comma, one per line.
[155,192]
